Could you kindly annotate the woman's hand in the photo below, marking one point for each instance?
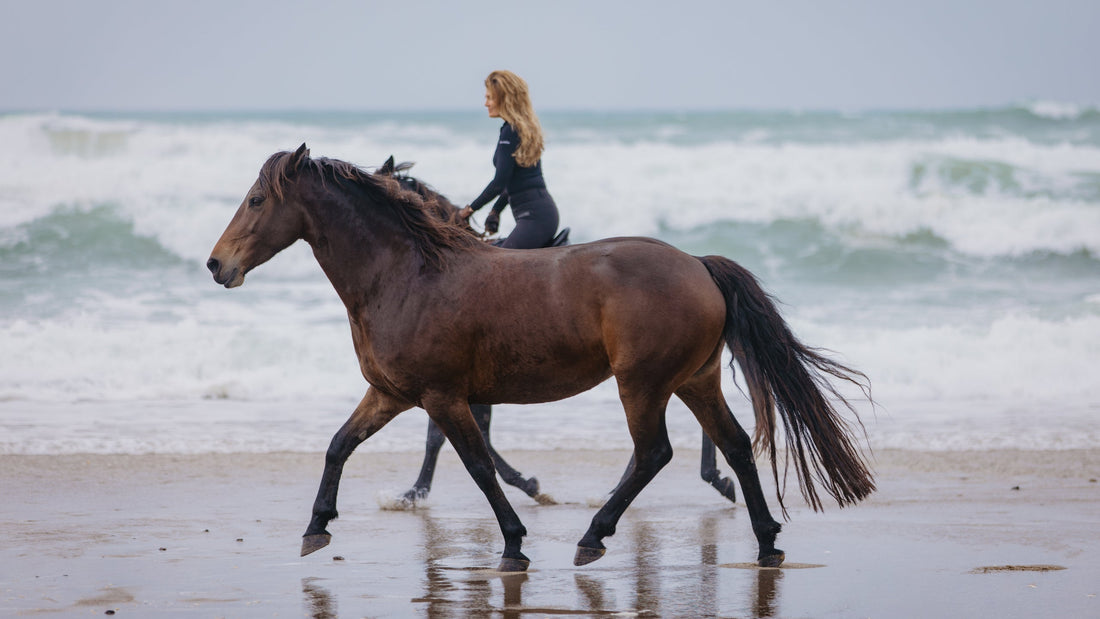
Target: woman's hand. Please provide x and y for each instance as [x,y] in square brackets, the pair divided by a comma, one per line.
[492,222]
[466,212]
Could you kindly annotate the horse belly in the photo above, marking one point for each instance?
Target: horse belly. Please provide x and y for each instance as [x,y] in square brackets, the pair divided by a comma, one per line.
[549,384]
[547,361]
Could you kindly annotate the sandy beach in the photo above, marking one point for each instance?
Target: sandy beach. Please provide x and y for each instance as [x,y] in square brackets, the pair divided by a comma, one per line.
[956,534]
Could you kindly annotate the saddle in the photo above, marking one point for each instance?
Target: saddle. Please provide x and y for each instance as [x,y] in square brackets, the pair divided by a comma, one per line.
[561,239]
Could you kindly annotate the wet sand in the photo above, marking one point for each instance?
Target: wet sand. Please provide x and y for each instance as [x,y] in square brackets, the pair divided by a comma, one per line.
[1006,534]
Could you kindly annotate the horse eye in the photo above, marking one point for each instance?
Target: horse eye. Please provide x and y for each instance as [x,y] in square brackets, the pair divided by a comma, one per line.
[255,201]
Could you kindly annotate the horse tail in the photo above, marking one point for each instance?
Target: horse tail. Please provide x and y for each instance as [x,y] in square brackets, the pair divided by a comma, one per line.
[782,373]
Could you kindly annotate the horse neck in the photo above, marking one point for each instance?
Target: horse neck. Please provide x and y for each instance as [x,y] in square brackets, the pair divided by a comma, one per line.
[357,257]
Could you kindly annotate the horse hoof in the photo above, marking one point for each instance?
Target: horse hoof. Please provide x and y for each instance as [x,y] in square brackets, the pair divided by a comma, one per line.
[726,488]
[313,543]
[513,565]
[585,555]
[531,487]
[774,560]
[544,499]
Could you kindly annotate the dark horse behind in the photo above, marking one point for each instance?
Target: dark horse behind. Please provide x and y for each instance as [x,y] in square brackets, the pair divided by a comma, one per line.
[654,318]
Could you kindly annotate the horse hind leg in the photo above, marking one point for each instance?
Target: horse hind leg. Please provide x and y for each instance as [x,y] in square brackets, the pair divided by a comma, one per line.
[708,470]
[652,451]
[703,396]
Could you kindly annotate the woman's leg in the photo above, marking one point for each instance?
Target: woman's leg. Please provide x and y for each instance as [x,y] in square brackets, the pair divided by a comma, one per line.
[536,220]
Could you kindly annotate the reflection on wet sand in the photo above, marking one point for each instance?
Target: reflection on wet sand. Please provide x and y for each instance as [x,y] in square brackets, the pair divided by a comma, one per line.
[317,600]
[647,582]
[647,585]
[767,590]
[592,591]
[513,595]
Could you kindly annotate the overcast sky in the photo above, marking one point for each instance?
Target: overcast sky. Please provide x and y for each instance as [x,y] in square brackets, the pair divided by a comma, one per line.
[576,54]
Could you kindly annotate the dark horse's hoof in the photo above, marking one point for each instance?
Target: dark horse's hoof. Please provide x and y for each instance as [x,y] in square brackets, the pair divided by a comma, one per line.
[513,565]
[313,543]
[772,560]
[531,487]
[726,488]
[585,555]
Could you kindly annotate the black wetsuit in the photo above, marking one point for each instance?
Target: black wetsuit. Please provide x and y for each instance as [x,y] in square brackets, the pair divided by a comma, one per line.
[534,210]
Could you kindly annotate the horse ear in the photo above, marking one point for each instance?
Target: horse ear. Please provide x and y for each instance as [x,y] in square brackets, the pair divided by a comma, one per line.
[387,168]
[299,158]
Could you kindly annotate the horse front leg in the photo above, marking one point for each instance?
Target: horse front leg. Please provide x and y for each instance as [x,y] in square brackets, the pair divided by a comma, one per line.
[373,412]
[457,422]
[708,470]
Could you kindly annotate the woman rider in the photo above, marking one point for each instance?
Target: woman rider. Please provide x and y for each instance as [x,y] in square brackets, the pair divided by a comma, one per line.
[518,179]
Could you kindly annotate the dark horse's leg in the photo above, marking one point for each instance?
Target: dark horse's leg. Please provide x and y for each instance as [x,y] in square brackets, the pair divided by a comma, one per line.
[645,414]
[432,446]
[703,396]
[373,412]
[457,423]
[708,470]
[483,415]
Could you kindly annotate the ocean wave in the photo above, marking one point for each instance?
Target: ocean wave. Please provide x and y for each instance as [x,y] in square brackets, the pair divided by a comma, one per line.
[981,177]
[71,239]
[1001,198]
[1058,110]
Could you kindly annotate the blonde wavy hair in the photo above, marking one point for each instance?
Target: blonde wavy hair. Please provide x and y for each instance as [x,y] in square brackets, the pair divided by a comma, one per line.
[514,105]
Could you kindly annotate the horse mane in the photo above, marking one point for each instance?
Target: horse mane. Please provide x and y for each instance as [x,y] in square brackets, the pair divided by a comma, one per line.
[432,226]
[442,207]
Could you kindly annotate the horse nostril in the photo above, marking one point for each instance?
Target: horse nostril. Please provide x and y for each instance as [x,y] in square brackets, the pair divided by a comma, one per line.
[213,265]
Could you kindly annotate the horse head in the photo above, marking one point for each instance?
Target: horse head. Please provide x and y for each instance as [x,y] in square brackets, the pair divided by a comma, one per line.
[268,220]
[440,205]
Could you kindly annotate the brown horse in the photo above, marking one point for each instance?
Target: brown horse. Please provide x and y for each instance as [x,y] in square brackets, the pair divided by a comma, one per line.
[564,320]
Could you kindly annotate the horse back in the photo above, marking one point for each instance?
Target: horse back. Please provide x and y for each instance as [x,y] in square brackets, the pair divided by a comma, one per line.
[612,306]
[653,299]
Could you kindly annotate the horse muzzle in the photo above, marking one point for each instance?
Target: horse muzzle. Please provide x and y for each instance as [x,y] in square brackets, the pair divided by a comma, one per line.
[227,276]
